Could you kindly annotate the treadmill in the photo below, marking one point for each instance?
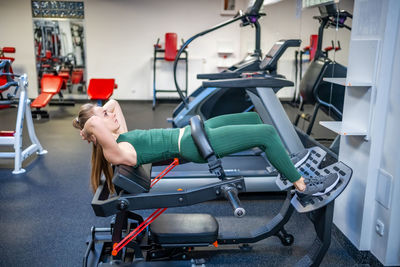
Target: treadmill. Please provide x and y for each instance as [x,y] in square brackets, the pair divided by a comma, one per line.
[259,175]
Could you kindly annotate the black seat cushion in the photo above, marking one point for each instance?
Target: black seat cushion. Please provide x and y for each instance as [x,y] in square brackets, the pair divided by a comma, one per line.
[184,229]
[311,79]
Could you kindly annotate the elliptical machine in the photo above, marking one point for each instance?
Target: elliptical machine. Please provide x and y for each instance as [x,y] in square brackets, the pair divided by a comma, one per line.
[313,89]
[211,102]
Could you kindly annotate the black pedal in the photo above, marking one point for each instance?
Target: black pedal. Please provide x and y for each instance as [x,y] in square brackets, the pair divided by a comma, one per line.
[307,168]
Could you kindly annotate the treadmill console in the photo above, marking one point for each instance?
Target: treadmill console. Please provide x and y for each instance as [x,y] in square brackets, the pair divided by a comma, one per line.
[270,61]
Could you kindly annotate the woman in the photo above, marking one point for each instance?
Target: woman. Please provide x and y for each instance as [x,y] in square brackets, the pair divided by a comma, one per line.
[113,144]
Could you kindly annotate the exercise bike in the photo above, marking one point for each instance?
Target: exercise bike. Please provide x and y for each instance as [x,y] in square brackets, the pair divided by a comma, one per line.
[171,239]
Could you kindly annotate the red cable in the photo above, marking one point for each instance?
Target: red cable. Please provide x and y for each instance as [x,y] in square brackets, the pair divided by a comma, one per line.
[161,175]
[118,246]
[164,172]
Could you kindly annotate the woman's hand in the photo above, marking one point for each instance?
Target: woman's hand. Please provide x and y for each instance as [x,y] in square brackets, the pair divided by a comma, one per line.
[88,138]
[300,185]
[84,136]
[87,132]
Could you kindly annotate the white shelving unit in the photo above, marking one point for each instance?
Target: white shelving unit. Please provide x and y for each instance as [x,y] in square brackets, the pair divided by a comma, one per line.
[365,212]
[360,91]
[342,129]
[342,81]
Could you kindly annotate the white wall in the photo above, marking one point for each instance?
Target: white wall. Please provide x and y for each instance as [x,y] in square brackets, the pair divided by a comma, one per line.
[16,30]
[120,35]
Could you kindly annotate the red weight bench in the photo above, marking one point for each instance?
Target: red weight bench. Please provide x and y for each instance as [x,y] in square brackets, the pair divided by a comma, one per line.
[50,85]
[101,89]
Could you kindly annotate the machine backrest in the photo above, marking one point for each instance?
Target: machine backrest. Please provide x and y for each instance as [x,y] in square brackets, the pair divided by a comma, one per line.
[132,180]
[311,79]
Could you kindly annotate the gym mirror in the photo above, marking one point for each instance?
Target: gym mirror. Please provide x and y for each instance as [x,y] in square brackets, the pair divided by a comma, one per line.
[58,28]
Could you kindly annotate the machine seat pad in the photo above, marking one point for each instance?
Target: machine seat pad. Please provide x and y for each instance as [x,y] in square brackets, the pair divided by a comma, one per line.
[42,100]
[176,228]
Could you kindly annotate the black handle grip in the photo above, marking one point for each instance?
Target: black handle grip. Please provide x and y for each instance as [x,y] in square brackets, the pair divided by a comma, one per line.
[231,194]
[199,137]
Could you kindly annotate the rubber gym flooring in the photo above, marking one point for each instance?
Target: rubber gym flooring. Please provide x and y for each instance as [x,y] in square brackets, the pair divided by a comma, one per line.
[46,216]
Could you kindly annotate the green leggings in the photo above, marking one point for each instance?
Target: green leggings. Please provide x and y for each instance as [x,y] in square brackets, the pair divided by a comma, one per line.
[233,133]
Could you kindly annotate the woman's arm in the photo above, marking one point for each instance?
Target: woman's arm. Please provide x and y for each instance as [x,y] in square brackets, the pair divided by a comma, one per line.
[114,107]
[122,153]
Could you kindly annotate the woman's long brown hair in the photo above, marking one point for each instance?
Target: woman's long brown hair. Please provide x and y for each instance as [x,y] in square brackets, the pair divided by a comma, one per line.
[99,163]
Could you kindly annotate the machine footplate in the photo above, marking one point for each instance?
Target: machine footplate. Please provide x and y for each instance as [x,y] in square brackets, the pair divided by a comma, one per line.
[310,169]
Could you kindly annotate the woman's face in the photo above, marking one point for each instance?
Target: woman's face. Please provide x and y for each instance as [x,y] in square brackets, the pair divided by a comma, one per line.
[109,119]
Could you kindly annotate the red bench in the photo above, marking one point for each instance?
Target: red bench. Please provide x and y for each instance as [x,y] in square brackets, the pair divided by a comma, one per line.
[50,85]
[101,89]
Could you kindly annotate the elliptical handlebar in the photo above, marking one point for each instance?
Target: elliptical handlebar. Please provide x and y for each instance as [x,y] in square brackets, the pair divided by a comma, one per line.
[255,8]
[251,16]
[183,47]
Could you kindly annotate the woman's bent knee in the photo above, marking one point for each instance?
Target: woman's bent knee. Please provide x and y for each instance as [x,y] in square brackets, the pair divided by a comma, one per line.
[269,130]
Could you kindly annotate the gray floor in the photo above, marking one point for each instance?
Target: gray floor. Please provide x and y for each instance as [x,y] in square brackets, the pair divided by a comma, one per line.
[45,214]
